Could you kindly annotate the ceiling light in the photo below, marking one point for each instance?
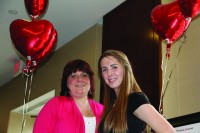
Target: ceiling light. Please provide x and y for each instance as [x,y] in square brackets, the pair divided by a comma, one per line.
[13,12]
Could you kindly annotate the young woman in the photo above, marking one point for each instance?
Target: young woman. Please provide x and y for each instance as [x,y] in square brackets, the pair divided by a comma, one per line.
[126,107]
[74,111]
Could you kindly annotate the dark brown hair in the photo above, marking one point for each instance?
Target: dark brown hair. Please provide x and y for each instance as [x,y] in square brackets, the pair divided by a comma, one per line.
[73,66]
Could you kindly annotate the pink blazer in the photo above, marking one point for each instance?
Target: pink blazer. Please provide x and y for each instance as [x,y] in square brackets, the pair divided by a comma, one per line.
[61,115]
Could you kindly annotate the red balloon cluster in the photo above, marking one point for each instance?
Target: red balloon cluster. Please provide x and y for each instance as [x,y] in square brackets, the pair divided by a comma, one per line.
[171,20]
[35,40]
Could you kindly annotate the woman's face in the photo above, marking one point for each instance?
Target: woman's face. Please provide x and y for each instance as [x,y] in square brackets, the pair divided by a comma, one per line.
[78,84]
[112,72]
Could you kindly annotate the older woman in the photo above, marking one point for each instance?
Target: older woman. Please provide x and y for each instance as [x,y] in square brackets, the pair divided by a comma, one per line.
[73,111]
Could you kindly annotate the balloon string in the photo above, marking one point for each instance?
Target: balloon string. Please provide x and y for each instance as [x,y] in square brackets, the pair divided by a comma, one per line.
[26,99]
[160,109]
[23,113]
[163,91]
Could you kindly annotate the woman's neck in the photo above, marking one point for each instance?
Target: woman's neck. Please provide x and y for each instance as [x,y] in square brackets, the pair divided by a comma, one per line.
[84,107]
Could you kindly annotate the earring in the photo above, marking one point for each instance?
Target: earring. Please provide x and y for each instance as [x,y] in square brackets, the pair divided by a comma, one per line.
[67,92]
[90,91]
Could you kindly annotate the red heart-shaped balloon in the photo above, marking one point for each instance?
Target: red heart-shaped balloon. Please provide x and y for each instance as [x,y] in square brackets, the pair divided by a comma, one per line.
[35,8]
[35,39]
[168,21]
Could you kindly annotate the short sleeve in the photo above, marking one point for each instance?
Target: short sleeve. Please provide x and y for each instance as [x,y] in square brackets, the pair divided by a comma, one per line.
[137,99]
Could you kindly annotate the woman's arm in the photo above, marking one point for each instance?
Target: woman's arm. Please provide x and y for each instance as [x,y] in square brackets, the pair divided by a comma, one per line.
[154,119]
[46,118]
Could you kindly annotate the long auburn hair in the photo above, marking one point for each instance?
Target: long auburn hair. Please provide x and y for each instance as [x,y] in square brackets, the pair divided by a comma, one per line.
[114,114]
[73,66]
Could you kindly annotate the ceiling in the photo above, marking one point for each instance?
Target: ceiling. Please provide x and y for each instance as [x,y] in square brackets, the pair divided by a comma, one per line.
[69,17]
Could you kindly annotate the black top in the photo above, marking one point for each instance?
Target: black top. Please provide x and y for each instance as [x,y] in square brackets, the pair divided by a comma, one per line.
[134,124]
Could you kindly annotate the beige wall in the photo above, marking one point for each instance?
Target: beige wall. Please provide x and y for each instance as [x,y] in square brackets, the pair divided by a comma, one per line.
[87,46]
[15,123]
[183,93]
